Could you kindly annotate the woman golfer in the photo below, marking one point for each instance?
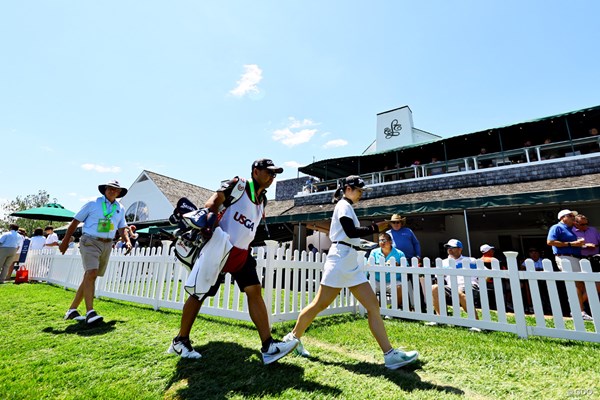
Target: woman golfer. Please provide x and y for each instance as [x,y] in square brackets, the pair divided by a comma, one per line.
[342,270]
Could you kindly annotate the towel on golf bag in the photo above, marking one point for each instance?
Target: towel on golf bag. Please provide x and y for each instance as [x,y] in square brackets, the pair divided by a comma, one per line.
[210,262]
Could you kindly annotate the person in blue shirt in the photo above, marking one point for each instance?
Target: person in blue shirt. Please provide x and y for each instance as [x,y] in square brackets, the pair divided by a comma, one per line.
[9,243]
[383,254]
[403,238]
[101,218]
[566,246]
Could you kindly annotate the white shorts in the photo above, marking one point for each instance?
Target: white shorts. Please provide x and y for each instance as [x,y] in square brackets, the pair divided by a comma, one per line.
[575,267]
[341,268]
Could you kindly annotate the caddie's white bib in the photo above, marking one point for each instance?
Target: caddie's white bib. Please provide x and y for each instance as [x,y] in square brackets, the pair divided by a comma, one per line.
[240,220]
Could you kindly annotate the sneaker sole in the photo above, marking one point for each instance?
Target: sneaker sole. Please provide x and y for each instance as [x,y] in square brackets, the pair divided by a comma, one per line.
[277,356]
[95,320]
[402,364]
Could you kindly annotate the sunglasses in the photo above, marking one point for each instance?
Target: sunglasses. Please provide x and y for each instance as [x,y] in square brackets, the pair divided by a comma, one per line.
[273,174]
[396,222]
[383,240]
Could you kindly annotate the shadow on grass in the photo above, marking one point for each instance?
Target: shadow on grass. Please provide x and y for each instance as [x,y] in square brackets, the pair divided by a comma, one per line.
[228,369]
[406,378]
[83,329]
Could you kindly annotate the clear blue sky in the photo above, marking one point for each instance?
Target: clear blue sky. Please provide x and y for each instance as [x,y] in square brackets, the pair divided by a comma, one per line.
[196,90]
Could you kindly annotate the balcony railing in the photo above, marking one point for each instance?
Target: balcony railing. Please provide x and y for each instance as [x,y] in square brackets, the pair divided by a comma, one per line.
[533,154]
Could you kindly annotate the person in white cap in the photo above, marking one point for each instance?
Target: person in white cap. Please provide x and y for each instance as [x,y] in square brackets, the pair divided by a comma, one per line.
[454,248]
[566,247]
[341,270]
[101,218]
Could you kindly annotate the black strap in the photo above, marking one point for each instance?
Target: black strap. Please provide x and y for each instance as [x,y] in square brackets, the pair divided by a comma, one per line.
[350,245]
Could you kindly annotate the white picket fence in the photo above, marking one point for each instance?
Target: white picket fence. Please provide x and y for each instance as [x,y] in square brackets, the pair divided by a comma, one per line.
[291,280]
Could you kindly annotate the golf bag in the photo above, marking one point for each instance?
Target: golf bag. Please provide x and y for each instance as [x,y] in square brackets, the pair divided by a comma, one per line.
[195,229]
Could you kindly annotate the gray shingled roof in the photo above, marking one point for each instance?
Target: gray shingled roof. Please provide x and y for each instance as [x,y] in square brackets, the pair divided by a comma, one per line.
[365,207]
[174,189]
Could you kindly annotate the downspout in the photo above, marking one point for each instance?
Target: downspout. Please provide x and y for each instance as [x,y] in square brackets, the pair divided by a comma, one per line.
[467,232]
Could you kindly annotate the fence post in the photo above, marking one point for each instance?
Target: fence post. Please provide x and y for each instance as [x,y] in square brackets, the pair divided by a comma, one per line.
[160,275]
[515,288]
[271,251]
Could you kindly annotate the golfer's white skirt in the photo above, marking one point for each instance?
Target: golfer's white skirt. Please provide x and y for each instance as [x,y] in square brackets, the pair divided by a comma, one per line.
[341,268]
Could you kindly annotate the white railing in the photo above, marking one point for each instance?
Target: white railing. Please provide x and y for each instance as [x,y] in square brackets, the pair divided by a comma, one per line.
[291,280]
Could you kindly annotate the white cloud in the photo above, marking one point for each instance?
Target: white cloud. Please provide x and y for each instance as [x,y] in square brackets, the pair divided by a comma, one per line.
[72,194]
[292,164]
[247,83]
[335,143]
[291,139]
[100,168]
[293,134]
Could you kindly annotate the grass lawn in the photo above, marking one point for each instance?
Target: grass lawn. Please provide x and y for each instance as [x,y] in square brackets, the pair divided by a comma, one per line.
[44,357]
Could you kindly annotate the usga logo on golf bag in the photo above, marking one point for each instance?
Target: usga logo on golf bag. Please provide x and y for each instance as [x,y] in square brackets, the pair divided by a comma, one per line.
[244,221]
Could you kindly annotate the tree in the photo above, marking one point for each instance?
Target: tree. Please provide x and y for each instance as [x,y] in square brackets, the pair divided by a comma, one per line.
[23,203]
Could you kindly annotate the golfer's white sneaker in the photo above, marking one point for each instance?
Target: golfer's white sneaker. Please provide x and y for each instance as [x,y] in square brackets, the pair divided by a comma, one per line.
[299,350]
[397,358]
[183,348]
[278,349]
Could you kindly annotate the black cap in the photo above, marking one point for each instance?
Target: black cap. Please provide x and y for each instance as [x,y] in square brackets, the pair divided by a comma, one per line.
[354,181]
[265,163]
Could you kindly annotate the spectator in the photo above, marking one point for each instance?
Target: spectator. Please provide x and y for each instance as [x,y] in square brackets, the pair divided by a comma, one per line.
[22,238]
[454,248]
[51,237]
[591,247]
[133,236]
[312,249]
[403,238]
[531,152]
[37,240]
[595,146]
[535,256]
[566,247]
[551,153]
[383,255]
[9,242]
[436,167]
[101,218]
[485,162]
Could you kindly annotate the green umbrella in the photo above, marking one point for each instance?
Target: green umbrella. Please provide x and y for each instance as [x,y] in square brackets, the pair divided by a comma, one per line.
[49,212]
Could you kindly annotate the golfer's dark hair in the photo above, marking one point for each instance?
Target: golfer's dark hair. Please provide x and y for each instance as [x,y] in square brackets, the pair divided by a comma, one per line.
[48,227]
[339,193]
[38,232]
[13,227]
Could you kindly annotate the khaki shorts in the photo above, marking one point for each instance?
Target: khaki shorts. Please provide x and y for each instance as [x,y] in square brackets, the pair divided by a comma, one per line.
[95,254]
[575,267]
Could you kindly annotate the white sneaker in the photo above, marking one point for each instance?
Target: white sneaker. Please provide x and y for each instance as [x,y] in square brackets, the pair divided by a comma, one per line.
[92,317]
[397,358]
[586,316]
[278,350]
[183,349]
[299,350]
[431,323]
[474,329]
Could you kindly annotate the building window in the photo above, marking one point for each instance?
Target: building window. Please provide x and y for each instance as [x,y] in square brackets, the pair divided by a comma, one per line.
[137,212]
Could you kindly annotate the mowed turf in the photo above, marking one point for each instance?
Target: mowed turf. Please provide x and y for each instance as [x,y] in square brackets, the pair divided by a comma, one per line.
[44,357]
